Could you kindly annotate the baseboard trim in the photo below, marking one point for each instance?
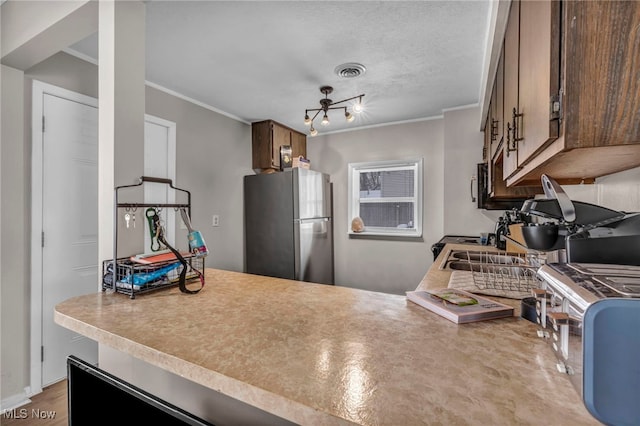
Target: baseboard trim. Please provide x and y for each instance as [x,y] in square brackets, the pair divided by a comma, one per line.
[14,401]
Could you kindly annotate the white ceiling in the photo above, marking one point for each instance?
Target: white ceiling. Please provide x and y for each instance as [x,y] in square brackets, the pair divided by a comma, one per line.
[257,60]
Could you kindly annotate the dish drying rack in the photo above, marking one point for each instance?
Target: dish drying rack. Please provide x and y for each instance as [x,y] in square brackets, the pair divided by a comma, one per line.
[511,275]
[141,274]
[505,277]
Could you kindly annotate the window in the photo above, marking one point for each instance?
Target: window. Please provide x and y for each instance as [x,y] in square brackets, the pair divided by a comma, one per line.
[387,196]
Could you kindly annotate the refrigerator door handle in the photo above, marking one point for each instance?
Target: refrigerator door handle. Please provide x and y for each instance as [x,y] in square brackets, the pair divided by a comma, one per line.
[314,250]
[317,219]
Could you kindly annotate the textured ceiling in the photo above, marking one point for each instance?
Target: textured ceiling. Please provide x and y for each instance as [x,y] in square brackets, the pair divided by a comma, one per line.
[267,60]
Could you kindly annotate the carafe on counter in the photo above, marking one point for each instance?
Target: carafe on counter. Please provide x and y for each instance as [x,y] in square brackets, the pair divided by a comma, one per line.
[502,228]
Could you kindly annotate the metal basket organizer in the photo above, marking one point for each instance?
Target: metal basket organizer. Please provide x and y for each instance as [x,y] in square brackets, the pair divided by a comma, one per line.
[133,278]
[509,273]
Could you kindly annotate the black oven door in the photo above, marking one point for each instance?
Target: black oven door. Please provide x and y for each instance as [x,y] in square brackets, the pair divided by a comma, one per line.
[484,202]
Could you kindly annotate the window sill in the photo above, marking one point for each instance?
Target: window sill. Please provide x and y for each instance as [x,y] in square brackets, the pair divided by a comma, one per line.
[386,234]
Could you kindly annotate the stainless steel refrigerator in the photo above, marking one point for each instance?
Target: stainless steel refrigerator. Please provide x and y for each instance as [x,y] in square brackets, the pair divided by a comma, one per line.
[288,225]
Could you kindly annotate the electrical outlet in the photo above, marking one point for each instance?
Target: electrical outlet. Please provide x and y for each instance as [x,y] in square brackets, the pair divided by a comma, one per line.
[216,220]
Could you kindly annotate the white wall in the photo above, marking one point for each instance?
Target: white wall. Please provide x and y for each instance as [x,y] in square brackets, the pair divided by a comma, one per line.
[462,153]
[32,31]
[14,260]
[214,152]
[451,148]
[619,191]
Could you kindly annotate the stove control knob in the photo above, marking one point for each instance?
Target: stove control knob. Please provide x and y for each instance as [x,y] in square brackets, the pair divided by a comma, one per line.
[539,293]
[559,318]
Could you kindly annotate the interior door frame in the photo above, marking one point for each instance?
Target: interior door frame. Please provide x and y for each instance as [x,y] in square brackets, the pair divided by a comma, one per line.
[171,166]
[37,158]
[39,89]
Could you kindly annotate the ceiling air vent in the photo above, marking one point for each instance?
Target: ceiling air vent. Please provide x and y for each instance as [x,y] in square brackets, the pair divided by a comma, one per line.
[350,70]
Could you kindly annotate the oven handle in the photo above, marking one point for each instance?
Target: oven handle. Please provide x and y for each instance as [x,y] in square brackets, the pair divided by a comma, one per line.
[473,179]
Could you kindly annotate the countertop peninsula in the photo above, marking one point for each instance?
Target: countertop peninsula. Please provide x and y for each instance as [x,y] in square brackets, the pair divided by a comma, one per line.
[319,355]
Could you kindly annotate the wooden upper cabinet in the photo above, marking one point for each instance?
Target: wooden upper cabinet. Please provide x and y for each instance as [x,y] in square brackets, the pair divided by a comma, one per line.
[497,109]
[511,68]
[298,144]
[492,123]
[266,139]
[602,88]
[596,109]
[281,136]
[486,151]
[503,162]
[487,138]
[539,76]
[532,79]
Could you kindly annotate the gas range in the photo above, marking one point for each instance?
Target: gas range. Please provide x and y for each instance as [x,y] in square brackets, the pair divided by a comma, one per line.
[436,248]
[601,280]
[459,239]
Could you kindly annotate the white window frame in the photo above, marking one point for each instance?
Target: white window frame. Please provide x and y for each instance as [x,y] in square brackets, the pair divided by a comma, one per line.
[353,202]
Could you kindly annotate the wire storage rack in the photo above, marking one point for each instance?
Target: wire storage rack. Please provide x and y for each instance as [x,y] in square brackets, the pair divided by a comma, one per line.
[505,277]
[135,274]
[512,272]
[511,275]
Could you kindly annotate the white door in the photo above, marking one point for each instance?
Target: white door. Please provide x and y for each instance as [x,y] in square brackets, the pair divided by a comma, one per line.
[69,225]
[65,217]
[160,162]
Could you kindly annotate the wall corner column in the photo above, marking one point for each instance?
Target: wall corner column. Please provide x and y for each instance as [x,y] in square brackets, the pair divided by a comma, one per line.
[121,102]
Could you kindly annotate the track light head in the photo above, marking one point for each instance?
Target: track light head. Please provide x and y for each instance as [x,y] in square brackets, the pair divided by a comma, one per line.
[327,104]
[348,116]
[357,107]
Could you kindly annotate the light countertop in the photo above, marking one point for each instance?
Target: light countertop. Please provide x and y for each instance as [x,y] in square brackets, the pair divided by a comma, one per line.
[317,354]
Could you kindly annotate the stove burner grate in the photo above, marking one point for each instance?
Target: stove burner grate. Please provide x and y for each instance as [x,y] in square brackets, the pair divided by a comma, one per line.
[614,285]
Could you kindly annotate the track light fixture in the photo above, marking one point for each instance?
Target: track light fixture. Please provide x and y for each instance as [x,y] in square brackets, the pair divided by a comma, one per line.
[326,104]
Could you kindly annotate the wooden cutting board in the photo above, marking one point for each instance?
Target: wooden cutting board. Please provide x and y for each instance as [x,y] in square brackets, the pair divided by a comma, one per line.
[515,239]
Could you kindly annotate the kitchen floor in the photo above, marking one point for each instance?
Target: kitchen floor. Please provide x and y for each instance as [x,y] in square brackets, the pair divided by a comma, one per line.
[47,408]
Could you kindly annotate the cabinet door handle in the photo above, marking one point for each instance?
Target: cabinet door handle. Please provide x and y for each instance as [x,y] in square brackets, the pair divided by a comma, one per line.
[473,198]
[512,133]
[494,130]
[516,135]
[508,144]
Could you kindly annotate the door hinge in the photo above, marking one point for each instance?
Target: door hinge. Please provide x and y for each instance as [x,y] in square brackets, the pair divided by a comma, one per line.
[41,353]
[43,124]
[555,107]
[42,239]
